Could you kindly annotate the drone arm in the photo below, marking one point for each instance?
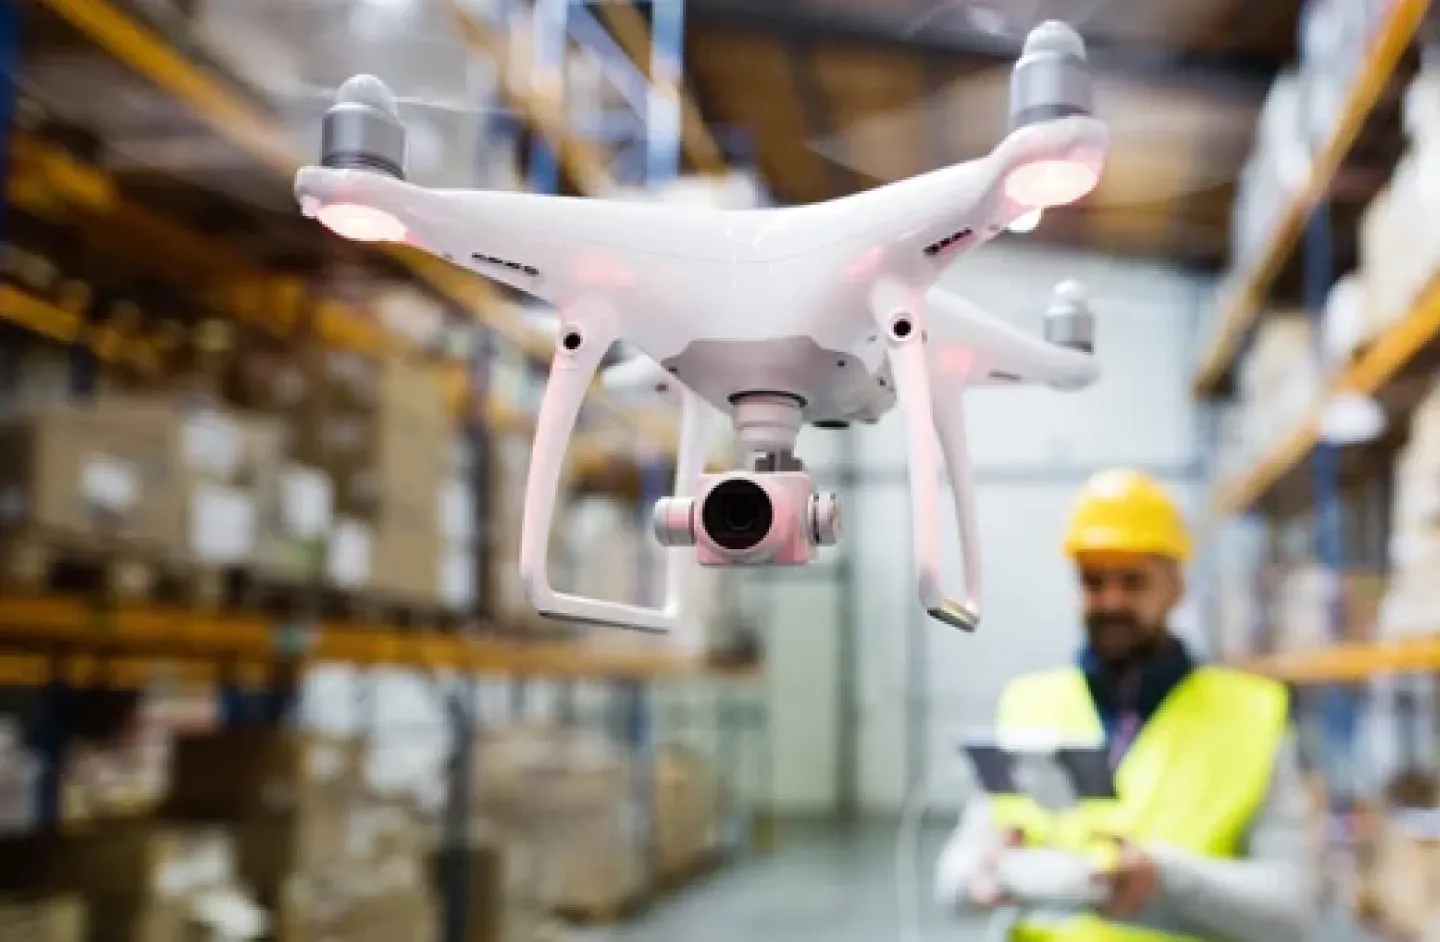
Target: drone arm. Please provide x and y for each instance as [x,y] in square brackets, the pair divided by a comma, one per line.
[973,347]
[480,230]
[947,209]
[570,376]
[903,331]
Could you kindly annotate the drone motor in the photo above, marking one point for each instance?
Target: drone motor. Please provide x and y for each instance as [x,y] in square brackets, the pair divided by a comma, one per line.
[362,130]
[1052,78]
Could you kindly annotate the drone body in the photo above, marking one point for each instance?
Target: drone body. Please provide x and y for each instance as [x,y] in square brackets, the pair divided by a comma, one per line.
[774,317]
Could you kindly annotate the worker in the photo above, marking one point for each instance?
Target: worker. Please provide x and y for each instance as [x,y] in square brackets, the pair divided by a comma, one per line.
[1207,839]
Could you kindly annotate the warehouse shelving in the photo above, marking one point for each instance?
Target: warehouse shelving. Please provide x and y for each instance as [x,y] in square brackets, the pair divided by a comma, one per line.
[1322,604]
[250,129]
[62,646]
[1385,358]
[195,634]
[1244,308]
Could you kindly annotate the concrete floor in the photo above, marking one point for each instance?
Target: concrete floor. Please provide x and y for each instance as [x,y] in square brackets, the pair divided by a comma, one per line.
[821,884]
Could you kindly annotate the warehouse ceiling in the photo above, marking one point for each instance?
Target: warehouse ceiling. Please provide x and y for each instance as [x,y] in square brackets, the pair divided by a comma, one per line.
[840,95]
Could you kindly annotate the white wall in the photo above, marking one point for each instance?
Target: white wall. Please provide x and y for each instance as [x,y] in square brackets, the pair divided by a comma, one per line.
[1031,448]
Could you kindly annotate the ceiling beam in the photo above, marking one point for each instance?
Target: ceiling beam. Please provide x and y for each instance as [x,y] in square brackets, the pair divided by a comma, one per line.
[1233,74]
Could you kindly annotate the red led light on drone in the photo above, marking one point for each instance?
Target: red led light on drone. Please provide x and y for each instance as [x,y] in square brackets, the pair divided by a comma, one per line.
[361,223]
[1050,182]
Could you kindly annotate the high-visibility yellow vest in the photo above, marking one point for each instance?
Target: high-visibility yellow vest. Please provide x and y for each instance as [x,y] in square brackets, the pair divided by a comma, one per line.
[1193,778]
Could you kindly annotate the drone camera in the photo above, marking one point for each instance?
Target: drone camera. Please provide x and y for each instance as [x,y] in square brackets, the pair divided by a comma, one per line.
[744,518]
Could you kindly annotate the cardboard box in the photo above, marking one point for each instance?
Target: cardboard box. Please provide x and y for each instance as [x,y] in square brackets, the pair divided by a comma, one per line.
[1301,614]
[412,395]
[688,811]
[407,561]
[237,775]
[1406,878]
[295,513]
[141,881]
[108,469]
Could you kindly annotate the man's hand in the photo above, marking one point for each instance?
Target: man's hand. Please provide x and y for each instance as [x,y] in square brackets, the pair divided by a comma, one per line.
[985,889]
[1132,881]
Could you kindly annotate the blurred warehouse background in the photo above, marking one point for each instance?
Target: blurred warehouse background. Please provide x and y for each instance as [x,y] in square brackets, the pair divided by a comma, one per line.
[265,666]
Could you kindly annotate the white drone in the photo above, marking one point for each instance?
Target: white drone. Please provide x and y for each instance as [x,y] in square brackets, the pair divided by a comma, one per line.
[775,317]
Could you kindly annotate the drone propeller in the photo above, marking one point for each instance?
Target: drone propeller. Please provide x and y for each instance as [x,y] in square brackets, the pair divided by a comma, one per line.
[1147,132]
[329,95]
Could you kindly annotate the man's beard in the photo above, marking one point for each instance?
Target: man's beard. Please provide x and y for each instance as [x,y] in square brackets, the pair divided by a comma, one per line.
[1120,639]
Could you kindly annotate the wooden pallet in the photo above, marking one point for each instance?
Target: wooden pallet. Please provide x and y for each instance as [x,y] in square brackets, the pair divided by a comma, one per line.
[391,610]
[692,872]
[610,913]
[243,588]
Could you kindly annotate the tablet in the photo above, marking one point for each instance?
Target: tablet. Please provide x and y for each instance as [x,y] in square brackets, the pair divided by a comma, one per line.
[1054,773]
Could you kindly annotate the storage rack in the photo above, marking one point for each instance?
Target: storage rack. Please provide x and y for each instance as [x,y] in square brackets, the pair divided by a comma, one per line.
[1305,486]
[61,646]
[1286,474]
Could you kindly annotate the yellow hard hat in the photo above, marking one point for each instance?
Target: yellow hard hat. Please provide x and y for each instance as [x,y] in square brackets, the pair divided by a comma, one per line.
[1124,511]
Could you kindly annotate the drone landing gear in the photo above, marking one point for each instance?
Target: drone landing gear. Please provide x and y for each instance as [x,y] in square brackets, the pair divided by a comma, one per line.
[585,337]
[925,414]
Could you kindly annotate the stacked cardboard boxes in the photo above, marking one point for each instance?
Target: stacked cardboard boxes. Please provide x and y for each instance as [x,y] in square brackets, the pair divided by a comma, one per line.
[1398,253]
[1406,878]
[141,880]
[94,474]
[356,484]
[505,902]
[689,810]
[569,810]
[413,461]
[1413,600]
[570,801]
[327,857]
[1301,614]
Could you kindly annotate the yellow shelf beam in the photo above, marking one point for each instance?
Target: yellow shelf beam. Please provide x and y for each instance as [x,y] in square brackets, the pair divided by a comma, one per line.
[1350,663]
[1376,367]
[1243,309]
[160,634]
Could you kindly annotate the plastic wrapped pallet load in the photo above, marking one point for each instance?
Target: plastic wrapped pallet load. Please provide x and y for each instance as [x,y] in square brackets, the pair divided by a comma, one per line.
[1279,381]
[1407,872]
[569,799]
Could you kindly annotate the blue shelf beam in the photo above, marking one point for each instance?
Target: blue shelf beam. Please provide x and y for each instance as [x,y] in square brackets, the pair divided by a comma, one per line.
[549,66]
[455,852]
[667,52]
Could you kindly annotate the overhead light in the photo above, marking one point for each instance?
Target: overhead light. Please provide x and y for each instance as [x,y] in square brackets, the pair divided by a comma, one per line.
[1351,419]
[1027,221]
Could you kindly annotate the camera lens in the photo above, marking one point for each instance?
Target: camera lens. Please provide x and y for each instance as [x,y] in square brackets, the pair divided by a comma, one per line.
[737,514]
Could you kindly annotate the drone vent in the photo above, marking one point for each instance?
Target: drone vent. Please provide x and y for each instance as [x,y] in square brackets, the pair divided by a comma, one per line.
[530,270]
[935,248]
